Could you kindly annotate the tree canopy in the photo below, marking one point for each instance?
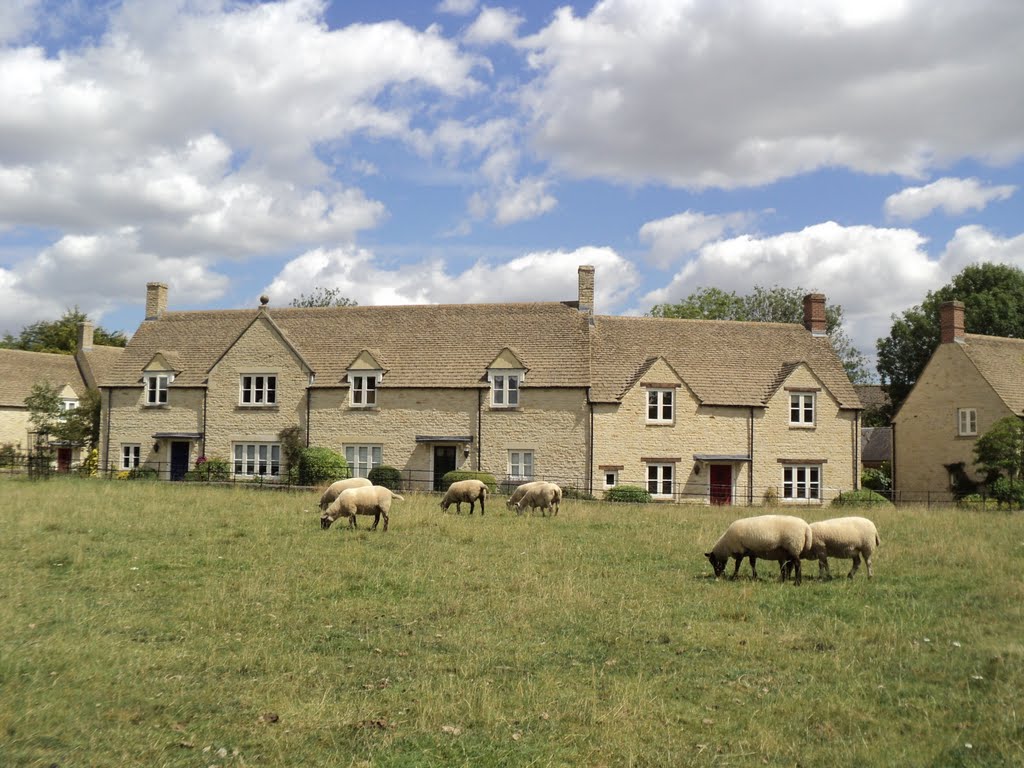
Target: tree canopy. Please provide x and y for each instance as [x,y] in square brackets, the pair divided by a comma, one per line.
[323,297]
[60,336]
[993,297]
[769,305]
[1001,449]
[79,425]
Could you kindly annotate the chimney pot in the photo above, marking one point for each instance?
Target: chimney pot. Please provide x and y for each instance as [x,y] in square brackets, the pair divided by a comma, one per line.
[156,300]
[951,322]
[814,314]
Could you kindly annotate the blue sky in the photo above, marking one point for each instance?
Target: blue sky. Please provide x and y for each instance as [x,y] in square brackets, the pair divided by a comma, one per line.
[453,150]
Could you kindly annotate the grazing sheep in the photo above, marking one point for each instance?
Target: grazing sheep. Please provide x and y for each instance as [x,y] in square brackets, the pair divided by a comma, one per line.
[770,537]
[469,491]
[541,496]
[519,492]
[334,489]
[375,500]
[852,537]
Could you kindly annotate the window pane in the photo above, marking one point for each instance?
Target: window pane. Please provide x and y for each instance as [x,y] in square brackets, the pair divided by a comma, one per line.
[271,389]
[350,455]
[375,458]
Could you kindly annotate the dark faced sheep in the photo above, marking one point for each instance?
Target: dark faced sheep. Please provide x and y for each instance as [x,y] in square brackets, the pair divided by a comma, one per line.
[374,500]
[770,537]
[470,491]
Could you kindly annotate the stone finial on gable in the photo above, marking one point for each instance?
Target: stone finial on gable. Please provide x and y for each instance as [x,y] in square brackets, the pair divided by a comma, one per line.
[814,314]
[951,322]
[586,290]
[156,300]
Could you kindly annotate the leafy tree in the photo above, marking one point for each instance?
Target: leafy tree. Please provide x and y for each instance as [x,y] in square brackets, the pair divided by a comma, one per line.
[60,336]
[80,425]
[993,297]
[768,305]
[323,297]
[1001,449]
[44,408]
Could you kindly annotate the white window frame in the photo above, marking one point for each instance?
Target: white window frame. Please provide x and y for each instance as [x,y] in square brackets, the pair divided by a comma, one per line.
[131,455]
[805,406]
[967,422]
[801,483]
[362,457]
[506,387]
[663,403]
[610,475]
[256,459]
[261,389]
[362,391]
[67,405]
[664,472]
[156,387]
[521,464]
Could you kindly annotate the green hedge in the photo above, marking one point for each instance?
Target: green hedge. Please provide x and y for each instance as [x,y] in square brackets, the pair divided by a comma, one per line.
[464,474]
[318,466]
[1008,493]
[861,498]
[143,473]
[632,494]
[387,476]
[207,470]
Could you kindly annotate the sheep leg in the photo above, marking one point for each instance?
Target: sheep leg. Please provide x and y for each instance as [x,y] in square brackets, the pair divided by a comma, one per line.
[798,579]
[385,522]
[856,565]
[376,519]
[753,567]
[482,506]
[867,561]
[736,570]
[823,569]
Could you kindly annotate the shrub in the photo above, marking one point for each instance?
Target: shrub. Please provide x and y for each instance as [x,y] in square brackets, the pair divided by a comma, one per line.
[464,474]
[861,498]
[1008,493]
[972,501]
[876,479]
[770,497]
[212,469]
[387,476]
[90,464]
[142,473]
[292,446]
[8,455]
[321,465]
[572,492]
[633,494]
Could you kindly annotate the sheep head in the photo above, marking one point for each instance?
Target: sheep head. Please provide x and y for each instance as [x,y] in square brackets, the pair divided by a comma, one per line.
[325,522]
[717,563]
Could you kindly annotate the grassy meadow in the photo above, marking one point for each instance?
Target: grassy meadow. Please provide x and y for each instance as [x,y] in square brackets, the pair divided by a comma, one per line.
[156,624]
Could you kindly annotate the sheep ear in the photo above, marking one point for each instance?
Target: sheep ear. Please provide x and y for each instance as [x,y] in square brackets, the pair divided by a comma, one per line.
[707,555]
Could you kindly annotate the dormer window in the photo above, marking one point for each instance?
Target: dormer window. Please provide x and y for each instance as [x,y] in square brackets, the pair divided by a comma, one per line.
[156,388]
[258,389]
[67,405]
[363,389]
[505,388]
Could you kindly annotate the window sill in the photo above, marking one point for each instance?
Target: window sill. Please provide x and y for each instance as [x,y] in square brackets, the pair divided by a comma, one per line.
[156,406]
[363,407]
[505,408]
[802,426]
[805,502]
[659,423]
[258,407]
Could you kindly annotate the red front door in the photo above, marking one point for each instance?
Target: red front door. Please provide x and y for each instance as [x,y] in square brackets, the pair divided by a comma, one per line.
[721,484]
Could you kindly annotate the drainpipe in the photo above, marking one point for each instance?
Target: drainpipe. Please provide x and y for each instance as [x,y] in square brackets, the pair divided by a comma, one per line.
[106,452]
[856,450]
[590,452]
[479,426]
[206,395]
[750,464]
[309,410]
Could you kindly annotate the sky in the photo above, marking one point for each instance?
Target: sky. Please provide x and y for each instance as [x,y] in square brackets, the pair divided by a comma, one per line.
[448,151]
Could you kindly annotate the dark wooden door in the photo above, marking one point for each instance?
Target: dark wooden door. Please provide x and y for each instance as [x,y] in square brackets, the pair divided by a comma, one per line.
[444,461]
[179,460]
[63,459]
[721,484]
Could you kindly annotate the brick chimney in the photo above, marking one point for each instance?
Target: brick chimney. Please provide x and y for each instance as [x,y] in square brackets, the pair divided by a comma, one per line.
[951,322]
[586,291]
[814,314]
[156,300]
[85,333]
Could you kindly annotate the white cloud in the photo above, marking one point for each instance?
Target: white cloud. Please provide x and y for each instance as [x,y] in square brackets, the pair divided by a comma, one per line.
[457,7]
[677,236]
[526,199]
[953,196]
[539,276]
[17,17]
[493,25]
[698,94]
[871,272]
[974,244]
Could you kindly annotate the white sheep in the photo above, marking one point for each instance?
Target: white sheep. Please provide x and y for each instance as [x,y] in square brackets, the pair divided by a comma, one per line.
[469,491]
[541,496]
[334,489]
[519,492]
[771,537]
[375,500]
[845,537]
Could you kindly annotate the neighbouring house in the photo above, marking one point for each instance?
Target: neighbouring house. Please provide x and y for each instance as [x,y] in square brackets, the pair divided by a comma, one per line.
[705,411]
[875,447]
[71,375]
[970,382]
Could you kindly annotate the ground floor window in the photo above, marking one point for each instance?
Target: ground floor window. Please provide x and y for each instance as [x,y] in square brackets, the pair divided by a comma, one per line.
[362,458]
[131,455]
[801,481]
[252,459]
[520,465]
[660,479]
[611,478]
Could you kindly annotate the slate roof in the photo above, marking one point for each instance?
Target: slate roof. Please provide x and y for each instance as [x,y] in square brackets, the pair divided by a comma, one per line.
[98,362]
[422,345]
[723,362]
[871,395]
[875,444]
[1001,361]
[20,370]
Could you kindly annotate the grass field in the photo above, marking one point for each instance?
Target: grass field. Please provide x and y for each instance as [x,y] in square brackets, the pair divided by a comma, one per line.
[154,624]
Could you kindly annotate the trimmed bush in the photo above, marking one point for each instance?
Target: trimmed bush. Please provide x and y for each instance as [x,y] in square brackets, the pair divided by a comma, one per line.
[861,498]
[387,476]
[319,466]
[876,479]
[464,474]
[142,473]
[207,470]
[572,492]
[632,494]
